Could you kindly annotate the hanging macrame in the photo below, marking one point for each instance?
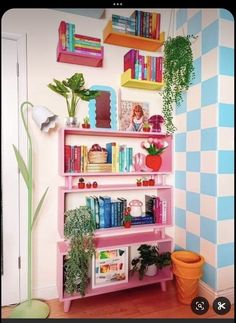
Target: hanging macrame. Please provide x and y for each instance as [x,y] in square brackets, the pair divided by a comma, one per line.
[178,72]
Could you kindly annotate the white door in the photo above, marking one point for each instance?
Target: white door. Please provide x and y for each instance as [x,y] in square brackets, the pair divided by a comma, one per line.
[13,193]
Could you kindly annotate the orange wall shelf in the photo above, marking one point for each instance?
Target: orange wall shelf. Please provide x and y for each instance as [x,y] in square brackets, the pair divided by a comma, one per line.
[64,56]
[126,40]
[127,81]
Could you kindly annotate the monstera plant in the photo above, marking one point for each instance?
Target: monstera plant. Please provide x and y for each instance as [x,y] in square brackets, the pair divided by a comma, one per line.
[73,90]
[178,75]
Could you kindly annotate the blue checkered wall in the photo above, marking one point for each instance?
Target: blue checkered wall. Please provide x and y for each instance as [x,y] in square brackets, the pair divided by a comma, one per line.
[204,147]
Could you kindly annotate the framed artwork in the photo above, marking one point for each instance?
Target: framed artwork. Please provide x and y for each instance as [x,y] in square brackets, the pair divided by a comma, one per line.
[110,266]
[103,109]
[132,115]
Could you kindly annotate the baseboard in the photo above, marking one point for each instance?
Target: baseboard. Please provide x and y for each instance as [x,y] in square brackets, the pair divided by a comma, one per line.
[210,294]
[49,292]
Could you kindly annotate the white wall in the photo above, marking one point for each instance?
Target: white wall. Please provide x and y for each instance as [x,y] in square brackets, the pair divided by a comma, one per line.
[41,27]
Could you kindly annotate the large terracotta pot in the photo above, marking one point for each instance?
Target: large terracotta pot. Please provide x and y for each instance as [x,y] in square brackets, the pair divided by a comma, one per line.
[154,162]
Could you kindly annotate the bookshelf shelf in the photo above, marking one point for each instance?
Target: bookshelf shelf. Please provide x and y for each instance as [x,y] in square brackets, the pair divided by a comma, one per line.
[127,81]
[110,36]
[65,56]
[116,236]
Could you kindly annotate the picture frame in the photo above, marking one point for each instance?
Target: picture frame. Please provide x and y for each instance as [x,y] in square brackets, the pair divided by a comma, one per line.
[125,114]
[110,266]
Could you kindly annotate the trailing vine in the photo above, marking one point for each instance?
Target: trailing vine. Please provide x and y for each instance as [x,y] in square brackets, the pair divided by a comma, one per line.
[79,228]
[178,75]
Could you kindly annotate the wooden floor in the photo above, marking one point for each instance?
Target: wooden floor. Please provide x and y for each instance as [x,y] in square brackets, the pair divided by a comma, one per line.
[142,302]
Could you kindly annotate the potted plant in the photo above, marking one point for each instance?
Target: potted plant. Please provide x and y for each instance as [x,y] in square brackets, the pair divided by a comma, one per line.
[178,75]
[127,221]
[155,148]
[95,184]
[145,181]
[81,183]
[73,90]
[149,261]
[88,185]
[86,123]
[146,127]
[79,229]
[139,181]
[151,182]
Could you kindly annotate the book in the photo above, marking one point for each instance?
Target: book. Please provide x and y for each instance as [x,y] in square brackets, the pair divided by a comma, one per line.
[79,36]
[105,211]
[129,61]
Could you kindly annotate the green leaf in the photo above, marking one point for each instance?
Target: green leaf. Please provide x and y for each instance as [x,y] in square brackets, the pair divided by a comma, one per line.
[39,207]
[22,166]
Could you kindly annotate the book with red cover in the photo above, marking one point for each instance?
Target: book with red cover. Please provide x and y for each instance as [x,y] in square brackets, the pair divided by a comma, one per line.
[129,61]
[67,158]
[77,36]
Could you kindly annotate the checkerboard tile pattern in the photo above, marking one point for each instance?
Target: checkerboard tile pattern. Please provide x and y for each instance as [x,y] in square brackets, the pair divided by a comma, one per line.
[204,146]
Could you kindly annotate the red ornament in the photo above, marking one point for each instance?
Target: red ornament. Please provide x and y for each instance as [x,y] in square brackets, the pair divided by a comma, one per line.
[95,184]
[154,162]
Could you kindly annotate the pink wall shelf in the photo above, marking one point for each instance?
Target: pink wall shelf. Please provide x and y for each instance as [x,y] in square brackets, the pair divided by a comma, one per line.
[87,59]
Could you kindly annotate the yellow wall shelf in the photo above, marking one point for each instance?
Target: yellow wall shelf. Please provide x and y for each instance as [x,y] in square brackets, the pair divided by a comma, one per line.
[127,81]
[126,40]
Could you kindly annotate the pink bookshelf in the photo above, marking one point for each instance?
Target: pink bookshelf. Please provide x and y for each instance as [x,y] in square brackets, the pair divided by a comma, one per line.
[165,243]
[116,236]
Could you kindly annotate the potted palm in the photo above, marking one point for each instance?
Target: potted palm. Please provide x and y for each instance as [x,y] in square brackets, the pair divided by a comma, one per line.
[149,261]
[73,90]
[79,229]
[178,75]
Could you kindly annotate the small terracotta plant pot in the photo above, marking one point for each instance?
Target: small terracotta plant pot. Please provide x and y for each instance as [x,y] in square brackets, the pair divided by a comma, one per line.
[85,125]
[139,183]
[95,184]
[151,182]
[127,225]
[146,129]
[81,183]
[88,185]
[145,182]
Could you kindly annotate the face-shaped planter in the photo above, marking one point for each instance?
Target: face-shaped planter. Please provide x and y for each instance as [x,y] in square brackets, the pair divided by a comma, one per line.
[136,208]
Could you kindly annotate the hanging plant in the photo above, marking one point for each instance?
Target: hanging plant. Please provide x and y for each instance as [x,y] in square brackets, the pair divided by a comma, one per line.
[178,75]
[79,229]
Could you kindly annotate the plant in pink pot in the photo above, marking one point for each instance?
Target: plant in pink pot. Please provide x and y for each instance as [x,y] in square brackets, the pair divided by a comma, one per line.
[155,148]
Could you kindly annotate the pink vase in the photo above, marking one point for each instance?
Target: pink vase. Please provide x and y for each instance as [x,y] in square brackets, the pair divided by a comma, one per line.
[154,162]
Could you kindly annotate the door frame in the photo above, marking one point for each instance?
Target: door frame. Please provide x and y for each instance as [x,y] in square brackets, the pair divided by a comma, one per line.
[21,41]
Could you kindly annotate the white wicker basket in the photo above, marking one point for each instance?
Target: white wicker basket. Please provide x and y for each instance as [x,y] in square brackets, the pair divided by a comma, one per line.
[97,157]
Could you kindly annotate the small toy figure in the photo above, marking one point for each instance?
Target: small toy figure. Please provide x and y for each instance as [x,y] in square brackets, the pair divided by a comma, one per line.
[136,123]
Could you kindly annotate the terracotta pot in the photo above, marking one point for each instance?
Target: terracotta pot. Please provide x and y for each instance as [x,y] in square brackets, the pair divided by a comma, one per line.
[151,182]
[145,183]
[127,225]
[146,129]
[85,125]
[139,184]
[154,162]
[88,185]
[95,184]
[81,185]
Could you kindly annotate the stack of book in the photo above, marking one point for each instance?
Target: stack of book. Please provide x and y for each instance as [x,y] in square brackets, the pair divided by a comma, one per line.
[71,42]
[99,168]
[146,219]
[123,24]
[143,67]
[156,207]
[147,24]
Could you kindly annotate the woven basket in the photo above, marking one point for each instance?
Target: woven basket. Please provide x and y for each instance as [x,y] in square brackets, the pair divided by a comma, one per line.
[97,157]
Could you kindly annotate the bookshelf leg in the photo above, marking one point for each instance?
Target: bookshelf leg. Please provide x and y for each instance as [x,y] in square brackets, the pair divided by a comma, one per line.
[67,306]
[163,286]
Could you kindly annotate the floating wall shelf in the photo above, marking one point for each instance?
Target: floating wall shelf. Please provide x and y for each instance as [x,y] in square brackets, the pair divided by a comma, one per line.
[127,81]
[110,36]
[64,56]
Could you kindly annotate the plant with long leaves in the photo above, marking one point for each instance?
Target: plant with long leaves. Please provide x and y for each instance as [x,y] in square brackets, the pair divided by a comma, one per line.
[178,75]
[79,229]
[73,90]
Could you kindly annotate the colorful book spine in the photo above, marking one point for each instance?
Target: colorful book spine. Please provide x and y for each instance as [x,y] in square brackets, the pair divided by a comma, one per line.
[78,36]
[62,35]
[129,61]
[67,158]
[89,52]
[105,211]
